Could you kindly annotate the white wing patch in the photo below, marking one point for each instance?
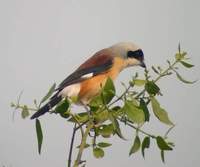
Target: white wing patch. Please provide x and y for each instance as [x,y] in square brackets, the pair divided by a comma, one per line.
[74,89]
[70,91]
[89,75]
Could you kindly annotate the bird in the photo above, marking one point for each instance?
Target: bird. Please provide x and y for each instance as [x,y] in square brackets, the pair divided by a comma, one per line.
[88,79]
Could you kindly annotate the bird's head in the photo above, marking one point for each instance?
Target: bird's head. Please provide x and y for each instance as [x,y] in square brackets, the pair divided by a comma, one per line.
[130,53]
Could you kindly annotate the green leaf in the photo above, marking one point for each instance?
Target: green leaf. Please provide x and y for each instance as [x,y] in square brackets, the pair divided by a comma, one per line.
[139,82]
[134,101]
[162,144]
[39,135]
[184,54]
[25,112]
[96,102]
[98,152]
[107,94]
[187,65]
[50,92]
[134,113]
[162,155]
[12,104]
[152,88]
[62,108]
[179,48]
[159,112]
[102,144]
[105,130]
[183,80]
[144,107]
[136,145]
[101,116]
[179,56]
[108,91]
[116,126]
[65,114]
[145,144]
[116,111]
[171,144]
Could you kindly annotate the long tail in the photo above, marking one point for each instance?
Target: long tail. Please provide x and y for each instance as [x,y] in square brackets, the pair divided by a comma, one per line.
[53,101]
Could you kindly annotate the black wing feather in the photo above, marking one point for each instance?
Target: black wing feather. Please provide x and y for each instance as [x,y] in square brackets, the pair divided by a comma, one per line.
[77,75]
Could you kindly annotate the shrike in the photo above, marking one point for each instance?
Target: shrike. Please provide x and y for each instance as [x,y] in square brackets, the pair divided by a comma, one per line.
[86,82]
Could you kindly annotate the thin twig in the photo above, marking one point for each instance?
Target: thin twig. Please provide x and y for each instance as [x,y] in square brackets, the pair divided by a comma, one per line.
[94,140]
[116,100]
[80,127]
[138,129]
[17,106]
[120,97]
[166,134]
[82,124]
[158,78]
[18,100]
[71,146]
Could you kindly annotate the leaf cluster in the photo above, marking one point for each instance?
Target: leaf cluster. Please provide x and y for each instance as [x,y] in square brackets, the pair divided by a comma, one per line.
[104,116]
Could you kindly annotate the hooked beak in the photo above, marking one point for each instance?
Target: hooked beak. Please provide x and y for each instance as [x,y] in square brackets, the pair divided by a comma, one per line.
[142,64]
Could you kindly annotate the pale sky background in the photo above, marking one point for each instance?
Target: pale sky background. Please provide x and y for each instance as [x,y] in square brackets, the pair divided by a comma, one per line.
[43,41]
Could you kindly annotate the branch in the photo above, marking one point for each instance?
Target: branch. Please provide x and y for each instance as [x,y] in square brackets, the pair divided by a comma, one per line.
[138,129]
[18,106]
[159,77]
[83,142]
[80,126]
[71,146]
[120,97]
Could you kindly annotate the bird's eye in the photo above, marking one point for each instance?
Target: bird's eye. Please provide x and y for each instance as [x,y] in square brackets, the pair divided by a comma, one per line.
[138,54]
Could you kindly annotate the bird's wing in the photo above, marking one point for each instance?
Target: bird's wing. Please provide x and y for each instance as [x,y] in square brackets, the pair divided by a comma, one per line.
[99,63]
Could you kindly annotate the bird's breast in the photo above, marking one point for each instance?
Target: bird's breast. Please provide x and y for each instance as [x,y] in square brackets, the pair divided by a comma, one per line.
[92,87]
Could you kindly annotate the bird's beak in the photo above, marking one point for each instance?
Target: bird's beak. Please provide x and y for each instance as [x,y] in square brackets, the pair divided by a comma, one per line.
[142,64]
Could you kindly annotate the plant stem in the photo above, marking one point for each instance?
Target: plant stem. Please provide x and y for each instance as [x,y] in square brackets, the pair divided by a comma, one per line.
[22,107]
[159,77]
[71,146]
[120,97]
[165,136]
[83,142]
[164,72]
[138,129]
[80,127]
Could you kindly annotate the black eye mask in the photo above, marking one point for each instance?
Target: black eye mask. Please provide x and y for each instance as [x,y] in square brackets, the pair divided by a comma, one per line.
[138,54]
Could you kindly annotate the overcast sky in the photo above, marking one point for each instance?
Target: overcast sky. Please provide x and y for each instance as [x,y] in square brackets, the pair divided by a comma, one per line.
[43,41]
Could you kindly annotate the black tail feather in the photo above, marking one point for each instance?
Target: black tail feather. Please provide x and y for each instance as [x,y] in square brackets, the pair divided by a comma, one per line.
[53,101]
